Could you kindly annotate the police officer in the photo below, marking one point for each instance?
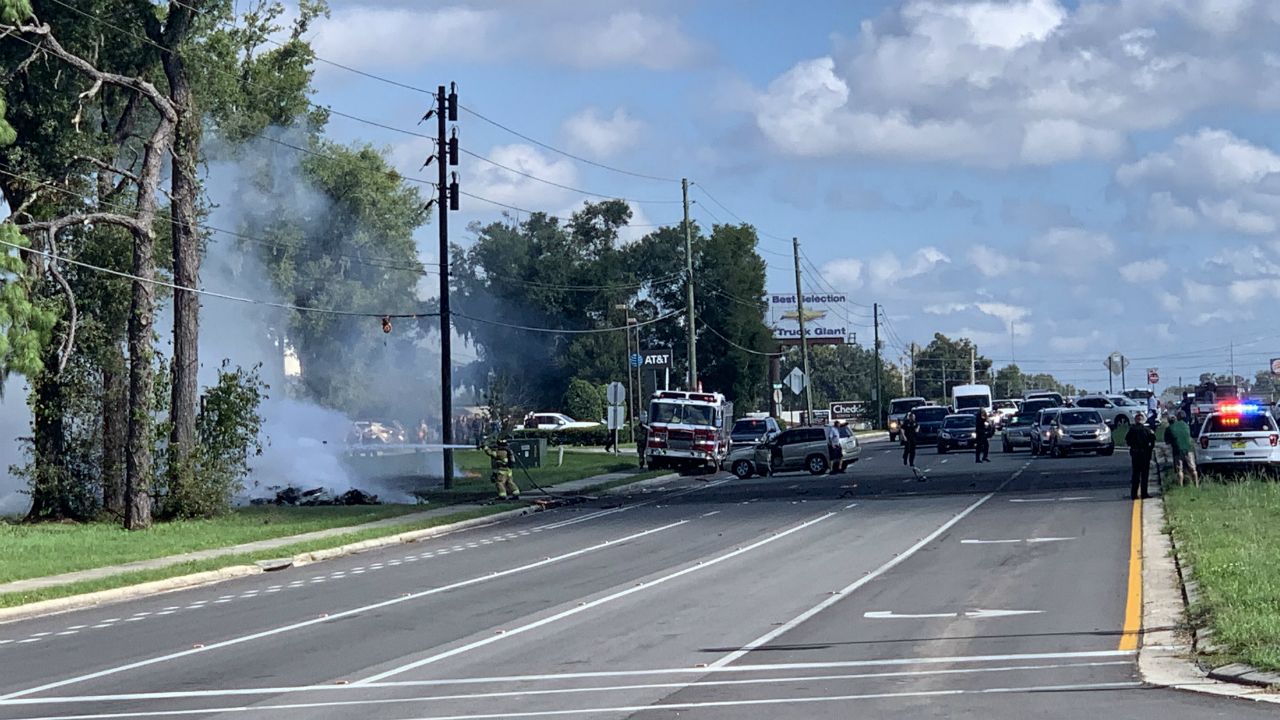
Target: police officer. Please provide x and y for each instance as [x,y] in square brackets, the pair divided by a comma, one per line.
[909,429]
[500,464]
[982,445]
[1142,443]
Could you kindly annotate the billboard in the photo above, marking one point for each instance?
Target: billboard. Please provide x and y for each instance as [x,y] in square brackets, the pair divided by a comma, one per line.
[825,318]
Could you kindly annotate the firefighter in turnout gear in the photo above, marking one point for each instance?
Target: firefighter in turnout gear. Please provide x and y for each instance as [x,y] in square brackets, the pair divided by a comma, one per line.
[500,464]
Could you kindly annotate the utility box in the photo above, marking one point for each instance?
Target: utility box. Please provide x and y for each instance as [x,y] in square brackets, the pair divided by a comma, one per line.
[527,451]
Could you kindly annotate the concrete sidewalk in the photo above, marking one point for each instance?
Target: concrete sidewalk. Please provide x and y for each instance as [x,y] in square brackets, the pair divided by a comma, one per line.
[39,583]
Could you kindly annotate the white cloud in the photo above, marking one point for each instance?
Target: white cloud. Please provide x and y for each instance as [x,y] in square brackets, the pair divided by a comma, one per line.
[1072,251]
[888,269]
[994,263]
[1211,176]
[496,184]
[844,274]
[602,137]
[402,38]
[627,37]
[1142,272]
[1018,81]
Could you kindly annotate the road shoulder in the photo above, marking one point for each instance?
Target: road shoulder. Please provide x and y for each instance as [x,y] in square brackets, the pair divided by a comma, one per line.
[1164,658]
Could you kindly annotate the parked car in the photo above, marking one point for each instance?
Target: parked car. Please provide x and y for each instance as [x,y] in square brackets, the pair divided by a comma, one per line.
[929,423]
[557,421]
[1238,436]
[1080,430]
[1042,430]
[376,432]
[813,449]
[959,431]
[751,430]
[1017,432]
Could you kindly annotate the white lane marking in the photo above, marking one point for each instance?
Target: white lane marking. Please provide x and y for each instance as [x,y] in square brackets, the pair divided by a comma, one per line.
[170,612]
[853,586]
[850,506]
[989,542]
[28,640]
[661,706]
[707,515]
[943,461]
[41,634]
[590,605]
[577,691]
[68,632]
[889,615]
[1073,498]
[141,614]
[81,627]
[1016,541]
[733,669]
[102,625]
[6,642]
[1049,539]
[344,613]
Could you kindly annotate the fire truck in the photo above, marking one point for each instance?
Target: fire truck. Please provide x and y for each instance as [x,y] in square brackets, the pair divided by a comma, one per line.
[688,430]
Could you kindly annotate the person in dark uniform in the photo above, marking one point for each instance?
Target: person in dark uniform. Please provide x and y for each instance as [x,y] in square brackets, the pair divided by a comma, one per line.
[1142,443]
[909,429]
[642,440]
[982,444]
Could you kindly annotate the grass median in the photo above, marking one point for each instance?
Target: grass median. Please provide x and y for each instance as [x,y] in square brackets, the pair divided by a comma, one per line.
[1229,533]
[472,482]
[142,576]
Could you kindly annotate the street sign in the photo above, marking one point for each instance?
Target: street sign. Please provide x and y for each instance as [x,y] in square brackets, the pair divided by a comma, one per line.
[616,393]
[1275,366]
[637,360]
[777,386]
[1116,363]
[656,359]
[796,380]
[1153,376]
[777,395]
[617,417]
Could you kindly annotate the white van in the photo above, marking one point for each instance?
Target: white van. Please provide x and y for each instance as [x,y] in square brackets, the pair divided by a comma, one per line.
[967,397]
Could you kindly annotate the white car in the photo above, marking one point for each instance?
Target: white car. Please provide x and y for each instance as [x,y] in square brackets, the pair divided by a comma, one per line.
[1239,435]
[557,421]
[1116,410]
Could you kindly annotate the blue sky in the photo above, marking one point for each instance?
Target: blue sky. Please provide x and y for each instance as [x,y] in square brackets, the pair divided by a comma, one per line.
[1099,175]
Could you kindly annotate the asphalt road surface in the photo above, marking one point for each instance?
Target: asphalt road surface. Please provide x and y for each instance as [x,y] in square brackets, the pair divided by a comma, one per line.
[998,590]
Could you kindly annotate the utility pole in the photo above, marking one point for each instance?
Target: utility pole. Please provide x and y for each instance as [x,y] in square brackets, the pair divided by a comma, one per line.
[1233,362]
[973,365]
[913,369]
[875,313]
[446,111]
[804,339]
[688,262]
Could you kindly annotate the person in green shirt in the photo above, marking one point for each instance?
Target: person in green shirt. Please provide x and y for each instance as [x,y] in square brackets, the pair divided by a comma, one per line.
[1178,436]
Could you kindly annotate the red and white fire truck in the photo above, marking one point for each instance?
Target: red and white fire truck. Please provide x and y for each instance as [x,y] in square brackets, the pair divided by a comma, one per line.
[688,430]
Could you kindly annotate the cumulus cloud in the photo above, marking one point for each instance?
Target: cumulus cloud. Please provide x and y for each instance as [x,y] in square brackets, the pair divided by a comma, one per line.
[397,38]
[1142,272]
[1211,176]
[625,37]
[602,137]
[992,263]
[495,183]
[1073,251]
[1019,81]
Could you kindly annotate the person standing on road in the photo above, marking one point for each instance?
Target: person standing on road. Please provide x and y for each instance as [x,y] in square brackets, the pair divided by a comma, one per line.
[1178,435]
[642,440]
[1142,443]
[909,429]
[500,465]
[982,444]
[1153,411]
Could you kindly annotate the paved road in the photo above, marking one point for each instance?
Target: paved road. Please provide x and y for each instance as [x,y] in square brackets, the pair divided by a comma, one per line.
[986,591]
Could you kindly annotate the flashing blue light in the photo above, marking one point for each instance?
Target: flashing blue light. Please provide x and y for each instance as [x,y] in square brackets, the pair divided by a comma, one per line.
[1241,409]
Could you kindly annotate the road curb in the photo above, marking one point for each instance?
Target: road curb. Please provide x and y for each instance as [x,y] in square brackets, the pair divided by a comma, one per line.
[182,582]
[1166,647]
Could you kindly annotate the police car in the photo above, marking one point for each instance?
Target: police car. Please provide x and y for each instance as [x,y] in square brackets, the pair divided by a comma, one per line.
[1239,435]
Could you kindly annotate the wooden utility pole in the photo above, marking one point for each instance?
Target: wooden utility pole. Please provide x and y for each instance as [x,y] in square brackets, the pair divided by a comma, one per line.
[804,339]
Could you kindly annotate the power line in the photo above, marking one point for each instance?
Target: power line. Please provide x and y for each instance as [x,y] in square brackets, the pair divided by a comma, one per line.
[565,153]
[210,293]
[740,347]
[563,331]
[570,188]
[738,217]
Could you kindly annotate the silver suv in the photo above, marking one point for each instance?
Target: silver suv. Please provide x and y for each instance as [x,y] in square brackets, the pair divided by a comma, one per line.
[814,449]
[1077,430]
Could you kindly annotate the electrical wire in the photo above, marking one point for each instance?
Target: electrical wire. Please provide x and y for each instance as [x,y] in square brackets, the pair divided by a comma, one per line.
[570,188]
[564,331]
[740,347]
[211,293]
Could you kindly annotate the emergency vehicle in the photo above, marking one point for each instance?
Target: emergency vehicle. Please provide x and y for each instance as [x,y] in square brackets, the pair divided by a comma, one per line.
[1239,435]
[688,430]
[1208,397]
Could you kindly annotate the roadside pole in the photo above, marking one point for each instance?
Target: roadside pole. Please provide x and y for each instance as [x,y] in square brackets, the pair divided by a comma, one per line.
[689,316]
[804,339]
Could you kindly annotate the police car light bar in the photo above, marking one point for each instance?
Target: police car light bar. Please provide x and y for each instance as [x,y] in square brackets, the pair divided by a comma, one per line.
[1239,409]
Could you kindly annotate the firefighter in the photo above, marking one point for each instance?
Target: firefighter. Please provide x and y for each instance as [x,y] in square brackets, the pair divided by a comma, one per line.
[500,465]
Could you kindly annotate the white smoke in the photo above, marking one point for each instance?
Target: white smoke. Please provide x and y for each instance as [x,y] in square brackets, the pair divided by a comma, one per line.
[15,423]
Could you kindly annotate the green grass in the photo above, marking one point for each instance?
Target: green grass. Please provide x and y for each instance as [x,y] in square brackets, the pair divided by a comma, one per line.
[1230,534]
[473,480]
[134,578]
[28,551]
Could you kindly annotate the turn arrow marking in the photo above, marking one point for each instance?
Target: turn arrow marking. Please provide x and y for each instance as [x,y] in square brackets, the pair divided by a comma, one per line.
[980,613]
[887,615]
